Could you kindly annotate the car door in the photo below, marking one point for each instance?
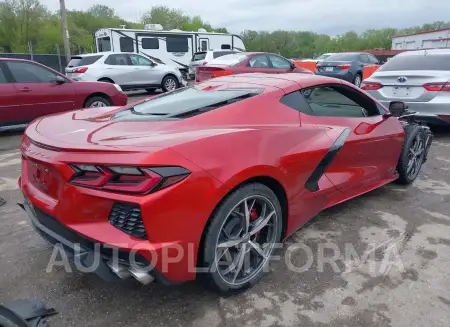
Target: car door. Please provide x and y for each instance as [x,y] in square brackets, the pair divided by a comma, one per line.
[118,67]
[10,113]
[145,71]
[367,145]
[280,65]
[39,90]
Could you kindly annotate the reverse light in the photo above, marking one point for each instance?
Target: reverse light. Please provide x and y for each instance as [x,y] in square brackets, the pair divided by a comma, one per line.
[80,70]
[438,86]
[345,67]
[126,179]
[371,86]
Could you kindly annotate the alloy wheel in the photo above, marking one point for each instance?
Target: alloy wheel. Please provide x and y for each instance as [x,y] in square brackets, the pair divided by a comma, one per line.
[415,156]
[96,104]
[170,84]
[246,240]
[358,81]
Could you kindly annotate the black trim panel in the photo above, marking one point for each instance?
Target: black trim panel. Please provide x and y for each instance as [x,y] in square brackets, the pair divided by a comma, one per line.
[312,184]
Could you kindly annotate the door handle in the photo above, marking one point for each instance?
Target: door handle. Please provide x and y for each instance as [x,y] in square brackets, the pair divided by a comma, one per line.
[25,89]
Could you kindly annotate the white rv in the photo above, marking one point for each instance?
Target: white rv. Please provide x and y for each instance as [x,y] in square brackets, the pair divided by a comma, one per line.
[173,47]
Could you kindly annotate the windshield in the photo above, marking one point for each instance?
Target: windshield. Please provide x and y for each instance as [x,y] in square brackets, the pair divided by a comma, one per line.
[199,56]
[231,59]
[188,102]
[342,57]
[417,62]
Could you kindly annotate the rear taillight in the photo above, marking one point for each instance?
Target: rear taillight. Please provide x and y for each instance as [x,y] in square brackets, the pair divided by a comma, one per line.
[371,86]
[439,86]
[80,70]
[444,116]
[212,72]
[126,179]
[344,67]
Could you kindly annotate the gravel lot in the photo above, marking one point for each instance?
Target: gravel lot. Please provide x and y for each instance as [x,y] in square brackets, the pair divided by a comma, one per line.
[410,222]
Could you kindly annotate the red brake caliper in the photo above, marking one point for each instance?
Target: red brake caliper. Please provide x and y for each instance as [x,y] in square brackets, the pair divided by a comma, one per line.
[254,216]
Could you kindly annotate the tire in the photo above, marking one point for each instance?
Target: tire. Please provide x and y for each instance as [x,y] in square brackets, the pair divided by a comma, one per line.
[97,101]
[357,80]
[151,89]
[169,83]
[414,153]
[222,228]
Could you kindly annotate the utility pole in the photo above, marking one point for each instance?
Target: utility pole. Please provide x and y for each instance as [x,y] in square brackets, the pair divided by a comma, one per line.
[65,30]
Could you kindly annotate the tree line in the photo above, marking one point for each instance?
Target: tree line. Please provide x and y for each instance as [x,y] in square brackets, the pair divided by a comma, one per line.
[26,24]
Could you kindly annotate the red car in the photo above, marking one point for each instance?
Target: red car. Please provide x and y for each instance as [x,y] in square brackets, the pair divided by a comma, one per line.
[247,62]
[205,180]
[29,90]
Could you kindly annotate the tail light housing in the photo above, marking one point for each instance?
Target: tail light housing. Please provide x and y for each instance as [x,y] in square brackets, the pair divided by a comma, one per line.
[126,179]
[345,66]
[438,86]
[80,70]
[371,86]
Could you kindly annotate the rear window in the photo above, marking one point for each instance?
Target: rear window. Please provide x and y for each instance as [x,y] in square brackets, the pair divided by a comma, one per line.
[217,54]
[417,62]
[185,103]
[343,57]
[199,56]
[83,61]
[230,59]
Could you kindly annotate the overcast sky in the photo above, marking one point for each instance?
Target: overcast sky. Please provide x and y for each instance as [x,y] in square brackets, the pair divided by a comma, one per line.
[324,16]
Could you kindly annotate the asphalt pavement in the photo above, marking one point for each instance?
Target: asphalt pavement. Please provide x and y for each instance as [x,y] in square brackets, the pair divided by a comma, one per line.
[405,284]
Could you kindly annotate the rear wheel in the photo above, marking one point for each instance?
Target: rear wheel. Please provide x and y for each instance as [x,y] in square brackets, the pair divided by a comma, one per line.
[97,101]
[240,238]
[358,79]
[414,153]
[169,83]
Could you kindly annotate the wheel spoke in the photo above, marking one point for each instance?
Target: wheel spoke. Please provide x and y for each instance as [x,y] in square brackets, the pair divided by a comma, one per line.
[247,215]
[258,250]
[410,164]
[261,223]
[229,243]
[240,261]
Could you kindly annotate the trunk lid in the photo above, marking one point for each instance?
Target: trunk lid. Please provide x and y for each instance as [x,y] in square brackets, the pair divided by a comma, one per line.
[333,66]
[408,85]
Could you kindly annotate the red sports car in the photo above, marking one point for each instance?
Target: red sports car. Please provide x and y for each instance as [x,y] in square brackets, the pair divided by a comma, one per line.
[29,90]
[247,62]
[205,180]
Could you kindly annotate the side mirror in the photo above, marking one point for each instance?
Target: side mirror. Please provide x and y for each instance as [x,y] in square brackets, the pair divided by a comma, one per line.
[60,80]
[397,108]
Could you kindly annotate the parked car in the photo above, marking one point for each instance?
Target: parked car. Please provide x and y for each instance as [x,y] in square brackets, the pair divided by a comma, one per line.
[211,176]
[419,78]
[347,66]
[202,58]
[29,90]
[131,71]
[247,62]
[320,58]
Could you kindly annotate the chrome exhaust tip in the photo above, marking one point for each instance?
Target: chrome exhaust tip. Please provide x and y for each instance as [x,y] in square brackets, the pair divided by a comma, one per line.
[141,276]
[120,270]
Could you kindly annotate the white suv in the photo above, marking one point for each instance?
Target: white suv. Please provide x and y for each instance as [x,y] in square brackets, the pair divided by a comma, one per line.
[203,57]
[129,70]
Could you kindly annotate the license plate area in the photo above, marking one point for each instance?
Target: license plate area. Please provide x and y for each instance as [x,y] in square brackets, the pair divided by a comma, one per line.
[43,178]
[401,91]
[328,69]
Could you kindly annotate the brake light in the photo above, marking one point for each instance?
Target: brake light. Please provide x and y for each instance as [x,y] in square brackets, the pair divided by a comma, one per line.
[371,86]
[126,179]
[345,67]
[439,86]
[80,70]
[445,116]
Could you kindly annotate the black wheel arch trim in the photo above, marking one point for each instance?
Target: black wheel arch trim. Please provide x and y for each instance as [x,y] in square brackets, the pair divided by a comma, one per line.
[312,183]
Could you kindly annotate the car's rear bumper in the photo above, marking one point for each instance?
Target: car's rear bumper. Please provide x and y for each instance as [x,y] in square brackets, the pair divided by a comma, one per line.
[84,253]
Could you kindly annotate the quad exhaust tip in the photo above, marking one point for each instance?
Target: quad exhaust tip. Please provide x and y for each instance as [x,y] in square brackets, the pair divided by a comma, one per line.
[124,272]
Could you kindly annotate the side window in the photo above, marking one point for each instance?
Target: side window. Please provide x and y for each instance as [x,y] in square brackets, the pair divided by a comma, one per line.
[25,72]
[373,59]
[2,76]
[364,58]
[177,44]
[150,43]
[279,63]
[139,61]
[204,45]
[296,101]
[338,101]
[126,44]
[225,46]
[117,60]
[259,61]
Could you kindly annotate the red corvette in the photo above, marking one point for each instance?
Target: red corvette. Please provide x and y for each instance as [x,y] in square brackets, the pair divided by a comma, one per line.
[210,176]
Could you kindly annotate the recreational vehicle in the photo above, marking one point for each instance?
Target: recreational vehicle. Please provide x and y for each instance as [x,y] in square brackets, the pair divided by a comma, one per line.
[174,47]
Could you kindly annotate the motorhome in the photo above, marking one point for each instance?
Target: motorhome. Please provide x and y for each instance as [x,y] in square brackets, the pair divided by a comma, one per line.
[174,47]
